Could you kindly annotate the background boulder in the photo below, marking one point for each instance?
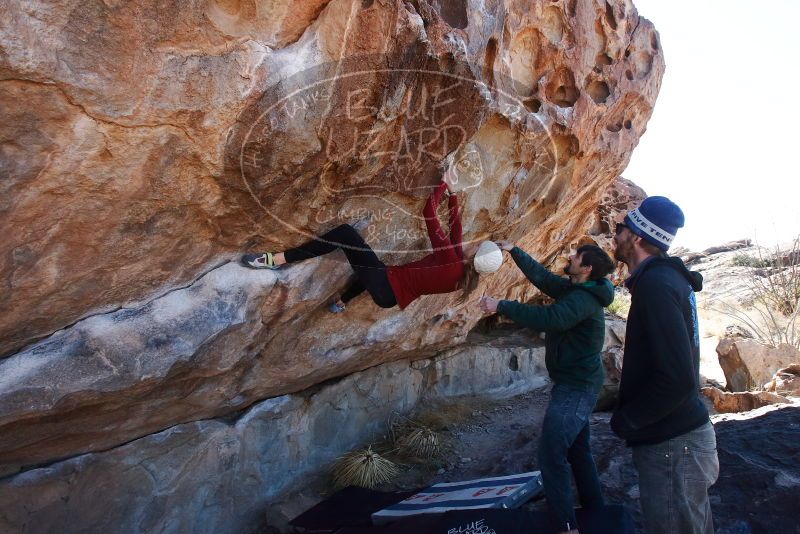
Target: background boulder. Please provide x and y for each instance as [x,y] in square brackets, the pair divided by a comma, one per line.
[748,363]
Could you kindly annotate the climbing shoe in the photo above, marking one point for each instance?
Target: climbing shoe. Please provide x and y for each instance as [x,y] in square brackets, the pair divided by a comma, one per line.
[265,260]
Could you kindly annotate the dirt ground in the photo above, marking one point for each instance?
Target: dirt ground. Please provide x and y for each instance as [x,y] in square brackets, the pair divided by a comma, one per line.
[480,438]
[501,438]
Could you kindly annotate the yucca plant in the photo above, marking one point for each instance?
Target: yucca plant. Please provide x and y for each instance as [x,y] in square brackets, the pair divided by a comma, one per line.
[422,442]
[364,468]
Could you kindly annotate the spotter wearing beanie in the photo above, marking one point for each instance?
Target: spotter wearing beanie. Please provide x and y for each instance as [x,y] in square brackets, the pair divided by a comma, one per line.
[656,220]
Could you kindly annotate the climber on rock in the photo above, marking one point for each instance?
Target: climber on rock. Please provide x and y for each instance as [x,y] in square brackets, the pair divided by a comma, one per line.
[574,327]
[445,270]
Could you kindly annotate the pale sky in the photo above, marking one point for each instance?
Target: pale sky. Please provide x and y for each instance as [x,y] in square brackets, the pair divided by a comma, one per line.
[723,138]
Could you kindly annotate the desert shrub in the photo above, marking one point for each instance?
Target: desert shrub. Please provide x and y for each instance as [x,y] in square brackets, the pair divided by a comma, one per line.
[364,468]
[772,301]
[422,442]
[621,304]
[411,436]
[747,260]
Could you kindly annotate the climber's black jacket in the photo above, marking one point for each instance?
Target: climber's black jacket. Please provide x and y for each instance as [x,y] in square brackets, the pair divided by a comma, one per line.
[658,394]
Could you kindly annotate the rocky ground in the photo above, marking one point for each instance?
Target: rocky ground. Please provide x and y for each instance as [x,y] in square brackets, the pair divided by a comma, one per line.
[757,490]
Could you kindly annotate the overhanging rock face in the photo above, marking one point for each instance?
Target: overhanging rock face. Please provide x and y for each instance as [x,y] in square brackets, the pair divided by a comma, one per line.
[218,476]
[147,143]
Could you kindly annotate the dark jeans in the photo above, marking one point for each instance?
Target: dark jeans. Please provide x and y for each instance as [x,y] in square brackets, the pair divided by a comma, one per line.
[564,444]
[674,477]
[370,271]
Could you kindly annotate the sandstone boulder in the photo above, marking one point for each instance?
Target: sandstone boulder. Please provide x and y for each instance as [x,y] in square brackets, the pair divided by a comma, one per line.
[748,363]
[151,142]
[148,139]
[741,401]
[786,381]
[693,258]
[728,247]
[612,355]
[217,476]
[737,331]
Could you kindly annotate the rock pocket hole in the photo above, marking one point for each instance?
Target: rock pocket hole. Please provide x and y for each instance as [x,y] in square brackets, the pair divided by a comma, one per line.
[599,91]
[610,16]
[552,26]
[614,127]
[565,96]
[602,60]
[533,104]
[566,146]
[642,64]
[561,89]
[628,125]
[228,7]
[513,363]
[629,74]
[523,55]
[454,12]
[488,62]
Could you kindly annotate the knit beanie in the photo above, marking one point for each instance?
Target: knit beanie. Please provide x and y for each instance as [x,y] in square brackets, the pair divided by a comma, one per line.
[656,220]
[488,258]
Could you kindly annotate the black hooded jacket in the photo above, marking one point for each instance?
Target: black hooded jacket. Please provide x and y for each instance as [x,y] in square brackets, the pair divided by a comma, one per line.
[659,395]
